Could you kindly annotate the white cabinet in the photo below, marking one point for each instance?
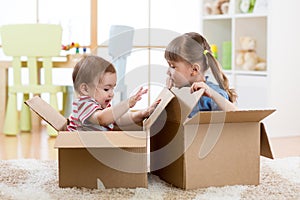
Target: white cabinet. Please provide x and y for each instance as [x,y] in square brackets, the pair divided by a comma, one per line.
[252,91]
[225,31]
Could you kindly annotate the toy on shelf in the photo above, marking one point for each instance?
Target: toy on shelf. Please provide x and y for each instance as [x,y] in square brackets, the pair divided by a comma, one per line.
[216,7]
[247,6]
[226,55]
[247,58]
[214,50]
[73,45]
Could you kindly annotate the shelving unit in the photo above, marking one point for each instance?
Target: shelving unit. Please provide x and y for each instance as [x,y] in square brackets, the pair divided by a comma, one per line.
[251,85]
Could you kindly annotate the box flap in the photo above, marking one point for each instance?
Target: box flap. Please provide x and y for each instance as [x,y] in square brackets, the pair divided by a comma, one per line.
[265,148]
[187,100]
[166,96]
[47,113]
[100,139]
[229,117]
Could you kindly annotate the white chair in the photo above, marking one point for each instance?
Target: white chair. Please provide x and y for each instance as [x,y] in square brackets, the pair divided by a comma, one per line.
[37,43]
[119,48]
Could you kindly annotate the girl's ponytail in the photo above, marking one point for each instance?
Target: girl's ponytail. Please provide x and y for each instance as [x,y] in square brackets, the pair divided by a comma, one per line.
[219,75]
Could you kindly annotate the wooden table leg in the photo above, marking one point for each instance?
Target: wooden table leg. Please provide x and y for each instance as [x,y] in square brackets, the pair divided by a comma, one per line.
[3,94]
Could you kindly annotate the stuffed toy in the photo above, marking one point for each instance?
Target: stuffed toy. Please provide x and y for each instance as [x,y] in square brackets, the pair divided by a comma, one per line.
[246,58]
[216,7]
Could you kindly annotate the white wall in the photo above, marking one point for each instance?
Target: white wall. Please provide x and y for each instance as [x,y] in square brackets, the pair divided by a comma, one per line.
[284,91]
[284,62]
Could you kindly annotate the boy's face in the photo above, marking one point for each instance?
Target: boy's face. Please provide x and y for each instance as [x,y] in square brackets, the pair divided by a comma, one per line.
[104,90]
[179,73]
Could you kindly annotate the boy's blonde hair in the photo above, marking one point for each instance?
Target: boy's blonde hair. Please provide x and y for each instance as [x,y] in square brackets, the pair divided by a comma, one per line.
[89,68]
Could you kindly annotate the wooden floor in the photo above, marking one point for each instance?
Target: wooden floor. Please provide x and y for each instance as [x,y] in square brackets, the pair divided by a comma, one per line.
[39,145]
[36,145]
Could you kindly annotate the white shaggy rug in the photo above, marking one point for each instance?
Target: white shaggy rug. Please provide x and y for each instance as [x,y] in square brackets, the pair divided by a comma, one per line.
[35,179]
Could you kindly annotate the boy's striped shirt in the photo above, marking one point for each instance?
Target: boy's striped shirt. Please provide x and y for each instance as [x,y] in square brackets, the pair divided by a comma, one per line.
[83,108]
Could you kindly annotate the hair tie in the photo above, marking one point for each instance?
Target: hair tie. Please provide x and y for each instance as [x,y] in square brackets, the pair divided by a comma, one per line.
[205,52]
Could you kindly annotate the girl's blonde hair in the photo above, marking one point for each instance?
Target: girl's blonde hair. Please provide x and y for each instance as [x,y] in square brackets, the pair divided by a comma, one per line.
[193,48]
[88,68]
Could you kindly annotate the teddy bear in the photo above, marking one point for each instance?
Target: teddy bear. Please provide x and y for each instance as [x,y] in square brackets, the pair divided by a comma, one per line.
[246,57]
[216,7]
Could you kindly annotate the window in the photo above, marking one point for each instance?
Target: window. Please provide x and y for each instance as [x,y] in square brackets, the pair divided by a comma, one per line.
[134,13]
[10,13]
[88,22]
[25,12]
[73,15]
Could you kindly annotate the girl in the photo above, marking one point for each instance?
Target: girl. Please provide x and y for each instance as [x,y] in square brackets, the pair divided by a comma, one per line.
[189,57]
[94,81]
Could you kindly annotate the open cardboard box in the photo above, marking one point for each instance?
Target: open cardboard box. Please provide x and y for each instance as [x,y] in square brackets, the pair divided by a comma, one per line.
[101,159]
[210,149]
[96,159]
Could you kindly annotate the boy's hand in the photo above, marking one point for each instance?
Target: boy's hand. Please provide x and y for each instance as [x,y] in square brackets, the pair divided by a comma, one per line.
[138,96]
[148,111]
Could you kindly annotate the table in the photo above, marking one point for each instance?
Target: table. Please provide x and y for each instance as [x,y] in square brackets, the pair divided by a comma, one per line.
[67,61]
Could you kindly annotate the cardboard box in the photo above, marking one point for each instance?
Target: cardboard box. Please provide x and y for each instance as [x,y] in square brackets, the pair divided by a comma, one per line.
[211,148]
[99,159]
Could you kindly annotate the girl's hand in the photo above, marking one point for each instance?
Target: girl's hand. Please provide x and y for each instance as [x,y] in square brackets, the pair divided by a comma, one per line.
[148,111]
[169,83]
[198,85]
[138,96]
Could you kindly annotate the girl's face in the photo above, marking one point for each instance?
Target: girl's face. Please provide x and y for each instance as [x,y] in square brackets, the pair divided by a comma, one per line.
[103,93]
[180,73]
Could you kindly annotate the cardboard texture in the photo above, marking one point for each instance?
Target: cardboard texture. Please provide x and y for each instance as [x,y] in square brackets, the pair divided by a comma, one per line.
[210,149]
[100,159]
